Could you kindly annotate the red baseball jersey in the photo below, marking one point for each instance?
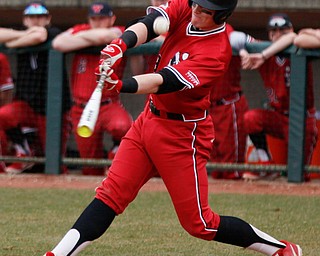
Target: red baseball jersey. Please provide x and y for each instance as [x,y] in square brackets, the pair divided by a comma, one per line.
[276,74]
[6,82]
[83,79]
[196,58]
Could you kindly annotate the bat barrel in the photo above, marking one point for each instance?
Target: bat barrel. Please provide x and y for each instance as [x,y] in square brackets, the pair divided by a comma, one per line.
[91,111]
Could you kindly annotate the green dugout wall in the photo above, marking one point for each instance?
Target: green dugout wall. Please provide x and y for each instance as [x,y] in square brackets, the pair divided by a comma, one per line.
[53,158]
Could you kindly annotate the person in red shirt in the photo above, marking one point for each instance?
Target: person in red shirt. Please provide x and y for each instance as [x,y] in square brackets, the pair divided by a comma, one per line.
[6,81]
[113,119]
[275,73]
[28,108]
[228,105]
[6,95]
[173,135]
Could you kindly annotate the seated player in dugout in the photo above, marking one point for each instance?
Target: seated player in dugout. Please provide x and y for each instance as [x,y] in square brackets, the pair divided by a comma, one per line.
[6,95]
[309,38]
[173,135]
[228,105]
[275,72]
[28,108]
[113,119]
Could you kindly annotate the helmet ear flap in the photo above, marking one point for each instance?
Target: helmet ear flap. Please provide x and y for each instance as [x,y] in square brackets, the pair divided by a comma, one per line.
[221,16]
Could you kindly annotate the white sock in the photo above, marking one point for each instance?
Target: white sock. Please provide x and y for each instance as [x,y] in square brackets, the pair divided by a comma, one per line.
[68,242]
[262,154]
[265,248]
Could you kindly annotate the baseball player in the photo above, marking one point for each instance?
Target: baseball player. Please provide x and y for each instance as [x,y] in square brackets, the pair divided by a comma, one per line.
[6,94]
[174,134]
[228,105]
[275,73]
[28,108]
[113,118]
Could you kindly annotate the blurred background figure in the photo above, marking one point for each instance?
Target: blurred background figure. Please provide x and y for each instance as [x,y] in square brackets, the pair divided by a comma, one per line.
[113,118]
[228,105]
[275,73]
[28,109]
[309,38]
[6,95]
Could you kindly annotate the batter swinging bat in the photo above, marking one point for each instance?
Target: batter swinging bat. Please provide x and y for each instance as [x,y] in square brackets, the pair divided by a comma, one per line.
[91,111]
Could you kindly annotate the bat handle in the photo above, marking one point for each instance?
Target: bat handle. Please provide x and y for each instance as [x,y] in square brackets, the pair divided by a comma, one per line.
[102,79]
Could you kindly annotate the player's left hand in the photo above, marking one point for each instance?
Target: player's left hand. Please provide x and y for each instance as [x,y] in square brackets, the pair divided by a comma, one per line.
[112,54]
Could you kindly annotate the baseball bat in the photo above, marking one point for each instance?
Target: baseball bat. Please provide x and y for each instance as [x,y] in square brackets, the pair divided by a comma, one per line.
[91,111]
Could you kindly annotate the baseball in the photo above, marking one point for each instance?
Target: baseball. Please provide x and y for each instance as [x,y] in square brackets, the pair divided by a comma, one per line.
[160,25]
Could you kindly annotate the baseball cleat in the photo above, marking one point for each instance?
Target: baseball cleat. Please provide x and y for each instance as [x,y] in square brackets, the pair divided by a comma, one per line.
[252,176]
[291,249]
[49,254]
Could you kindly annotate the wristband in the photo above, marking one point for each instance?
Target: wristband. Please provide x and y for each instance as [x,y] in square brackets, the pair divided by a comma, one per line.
[129,38]
[129,85]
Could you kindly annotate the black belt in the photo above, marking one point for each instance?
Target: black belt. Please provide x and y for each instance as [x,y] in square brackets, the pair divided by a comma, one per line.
[167,115]
[172,116]
[83,104]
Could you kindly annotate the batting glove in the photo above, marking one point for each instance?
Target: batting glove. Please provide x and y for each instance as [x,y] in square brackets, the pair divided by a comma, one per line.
[102,66]
[112,82]
[112,54]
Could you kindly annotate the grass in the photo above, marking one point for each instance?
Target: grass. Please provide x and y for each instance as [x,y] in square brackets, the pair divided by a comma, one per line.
[34,220]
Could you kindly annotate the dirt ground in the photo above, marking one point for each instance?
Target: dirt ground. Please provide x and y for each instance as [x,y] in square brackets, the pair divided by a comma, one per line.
[74,181]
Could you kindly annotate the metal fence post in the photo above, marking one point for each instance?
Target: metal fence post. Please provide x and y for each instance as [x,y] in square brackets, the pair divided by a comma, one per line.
[297,115]
[54,113]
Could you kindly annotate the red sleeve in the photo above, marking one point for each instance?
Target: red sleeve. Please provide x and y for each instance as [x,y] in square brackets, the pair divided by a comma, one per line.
[80,27]
[202,68]
[5,74]
[200,74]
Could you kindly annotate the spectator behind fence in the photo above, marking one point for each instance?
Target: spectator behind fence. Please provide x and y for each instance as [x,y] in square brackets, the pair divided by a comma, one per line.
[6,94]
[113,118]
[173,135]
[308,38]
[275,72]
[228,105]
[28,109]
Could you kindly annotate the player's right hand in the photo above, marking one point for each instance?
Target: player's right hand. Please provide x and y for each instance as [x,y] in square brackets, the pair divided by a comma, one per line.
[103,66]
[112,82]
[112,54]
